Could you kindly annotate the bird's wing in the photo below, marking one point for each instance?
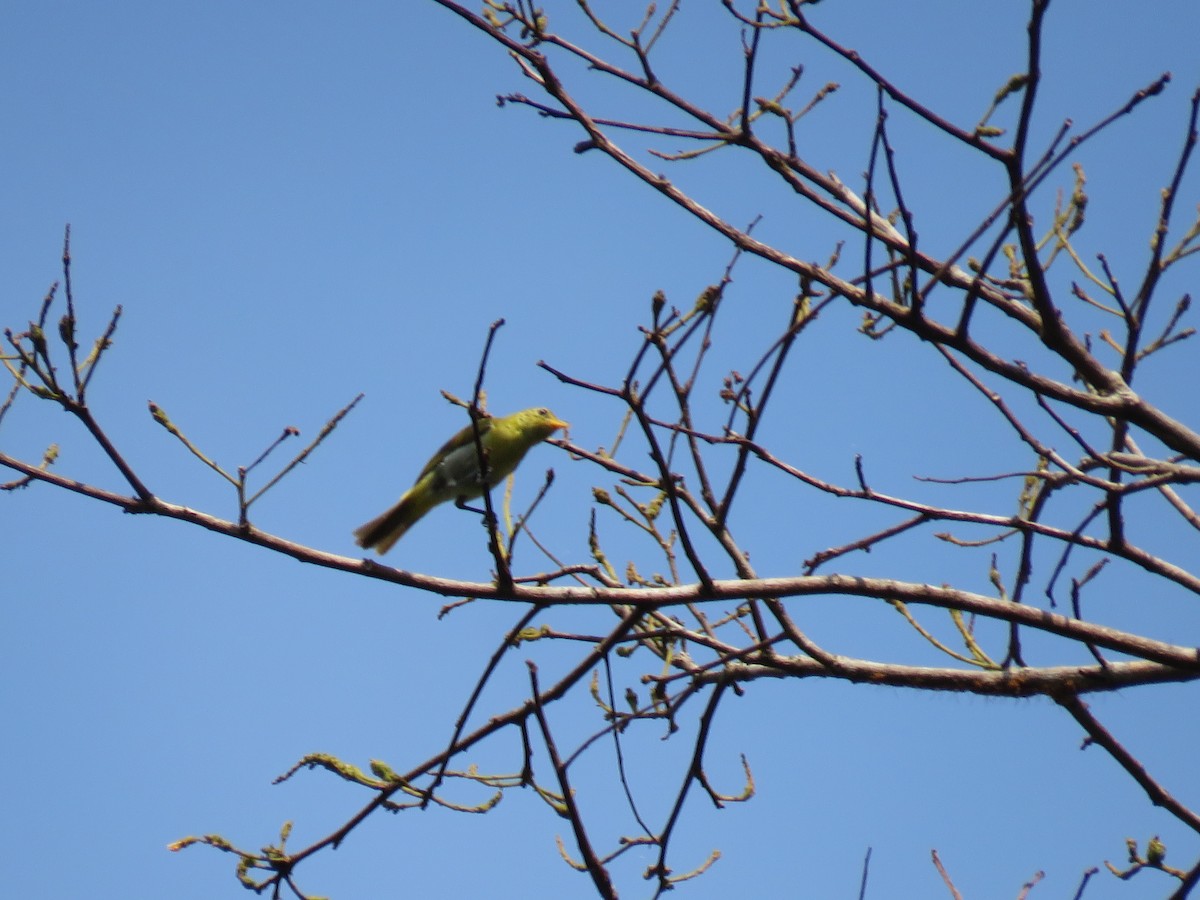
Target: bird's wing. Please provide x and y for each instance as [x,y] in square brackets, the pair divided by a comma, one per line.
[463,438]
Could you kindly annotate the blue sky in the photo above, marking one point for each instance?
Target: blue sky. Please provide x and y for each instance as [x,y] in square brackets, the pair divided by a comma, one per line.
[295,203]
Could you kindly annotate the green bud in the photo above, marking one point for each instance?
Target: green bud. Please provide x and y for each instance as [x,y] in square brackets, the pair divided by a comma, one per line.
[1156,852]
[383,771]
[37,337]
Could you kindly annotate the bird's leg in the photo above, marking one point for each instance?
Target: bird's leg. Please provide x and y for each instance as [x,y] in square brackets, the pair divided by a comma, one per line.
[488,521]
[461,503]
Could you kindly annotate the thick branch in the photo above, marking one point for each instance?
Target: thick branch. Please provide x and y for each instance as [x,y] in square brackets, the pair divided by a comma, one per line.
[1029,682]
[651,598]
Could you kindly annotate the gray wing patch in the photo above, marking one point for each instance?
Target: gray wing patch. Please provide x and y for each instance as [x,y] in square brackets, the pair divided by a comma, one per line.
[458,474]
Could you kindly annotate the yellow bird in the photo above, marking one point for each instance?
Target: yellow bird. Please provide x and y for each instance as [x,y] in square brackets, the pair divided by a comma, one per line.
[453,472]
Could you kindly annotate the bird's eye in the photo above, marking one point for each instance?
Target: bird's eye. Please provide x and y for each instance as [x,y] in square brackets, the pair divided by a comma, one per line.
[544,413]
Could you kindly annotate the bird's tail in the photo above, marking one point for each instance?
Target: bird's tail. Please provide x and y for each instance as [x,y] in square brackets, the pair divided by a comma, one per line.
[382,532]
